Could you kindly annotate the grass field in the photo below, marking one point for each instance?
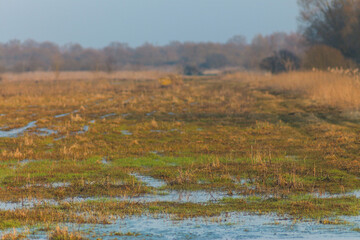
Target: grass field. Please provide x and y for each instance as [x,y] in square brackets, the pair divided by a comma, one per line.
[94,149]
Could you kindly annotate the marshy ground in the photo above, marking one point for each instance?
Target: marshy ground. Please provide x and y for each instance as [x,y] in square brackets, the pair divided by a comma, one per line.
[112,157]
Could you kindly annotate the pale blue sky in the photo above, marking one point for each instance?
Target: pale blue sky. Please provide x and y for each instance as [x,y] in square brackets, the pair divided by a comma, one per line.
[96,23]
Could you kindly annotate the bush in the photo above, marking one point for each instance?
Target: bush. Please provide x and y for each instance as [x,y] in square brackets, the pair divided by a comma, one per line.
[191,70]
[215,61]
[323,57]
[281,61]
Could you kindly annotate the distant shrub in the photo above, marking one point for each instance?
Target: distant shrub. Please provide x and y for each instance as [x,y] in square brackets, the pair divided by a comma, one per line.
[324,57]
[281,61]
[215,61]
[191,70]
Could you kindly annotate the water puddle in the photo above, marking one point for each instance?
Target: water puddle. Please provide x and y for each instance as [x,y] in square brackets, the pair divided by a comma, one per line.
[46,132]
[92,121]
[25,204]
[337,195]
[225,226]
[157,131]
[61,115]
[171,113]
[164,196]
[59,138]
[21,163]
[242,181]
[49,185]
[179,196]
[149,181]
[2,115]
[26,161]
[126,132]
[17,131]
[200,196]
[151,113]
[105,161]
[124,115]
[175,195]
[84,130]
[108,115]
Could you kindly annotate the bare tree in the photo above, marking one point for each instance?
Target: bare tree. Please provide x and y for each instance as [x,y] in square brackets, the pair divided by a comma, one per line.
[335,23]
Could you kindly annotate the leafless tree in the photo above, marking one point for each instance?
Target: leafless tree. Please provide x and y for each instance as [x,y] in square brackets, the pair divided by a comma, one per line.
[335,23]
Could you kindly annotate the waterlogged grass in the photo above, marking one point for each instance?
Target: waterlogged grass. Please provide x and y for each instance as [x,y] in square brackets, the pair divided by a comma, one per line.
[294,207]
[273,150]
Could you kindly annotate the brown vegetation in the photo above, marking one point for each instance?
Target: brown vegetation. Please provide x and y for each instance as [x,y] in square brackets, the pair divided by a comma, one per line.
[63,234]
[52,76]
[333,88]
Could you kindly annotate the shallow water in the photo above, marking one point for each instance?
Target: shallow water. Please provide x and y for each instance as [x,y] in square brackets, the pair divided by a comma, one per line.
[46,132]
[227,226]
[157,131]
[26,161]
[49,185]
[149,181]
[17,131]
[108,115]
[124,115]
[105,161]
[337,195]
[84,130]
[61,115]
[200,196]
[179,196]
[151,113]
[162,196]
[59,138]
[26,203]
[126,132]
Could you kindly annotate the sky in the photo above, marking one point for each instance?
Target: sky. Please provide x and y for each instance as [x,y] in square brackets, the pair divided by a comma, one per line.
[96,23]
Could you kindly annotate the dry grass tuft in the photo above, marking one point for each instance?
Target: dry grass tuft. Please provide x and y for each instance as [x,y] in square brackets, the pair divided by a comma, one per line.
[63,234]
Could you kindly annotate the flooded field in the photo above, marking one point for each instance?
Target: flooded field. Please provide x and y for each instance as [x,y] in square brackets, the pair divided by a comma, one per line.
[211,157]
[232,226]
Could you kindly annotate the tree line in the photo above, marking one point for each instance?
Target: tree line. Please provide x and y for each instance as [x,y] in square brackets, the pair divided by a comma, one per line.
[17,56]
